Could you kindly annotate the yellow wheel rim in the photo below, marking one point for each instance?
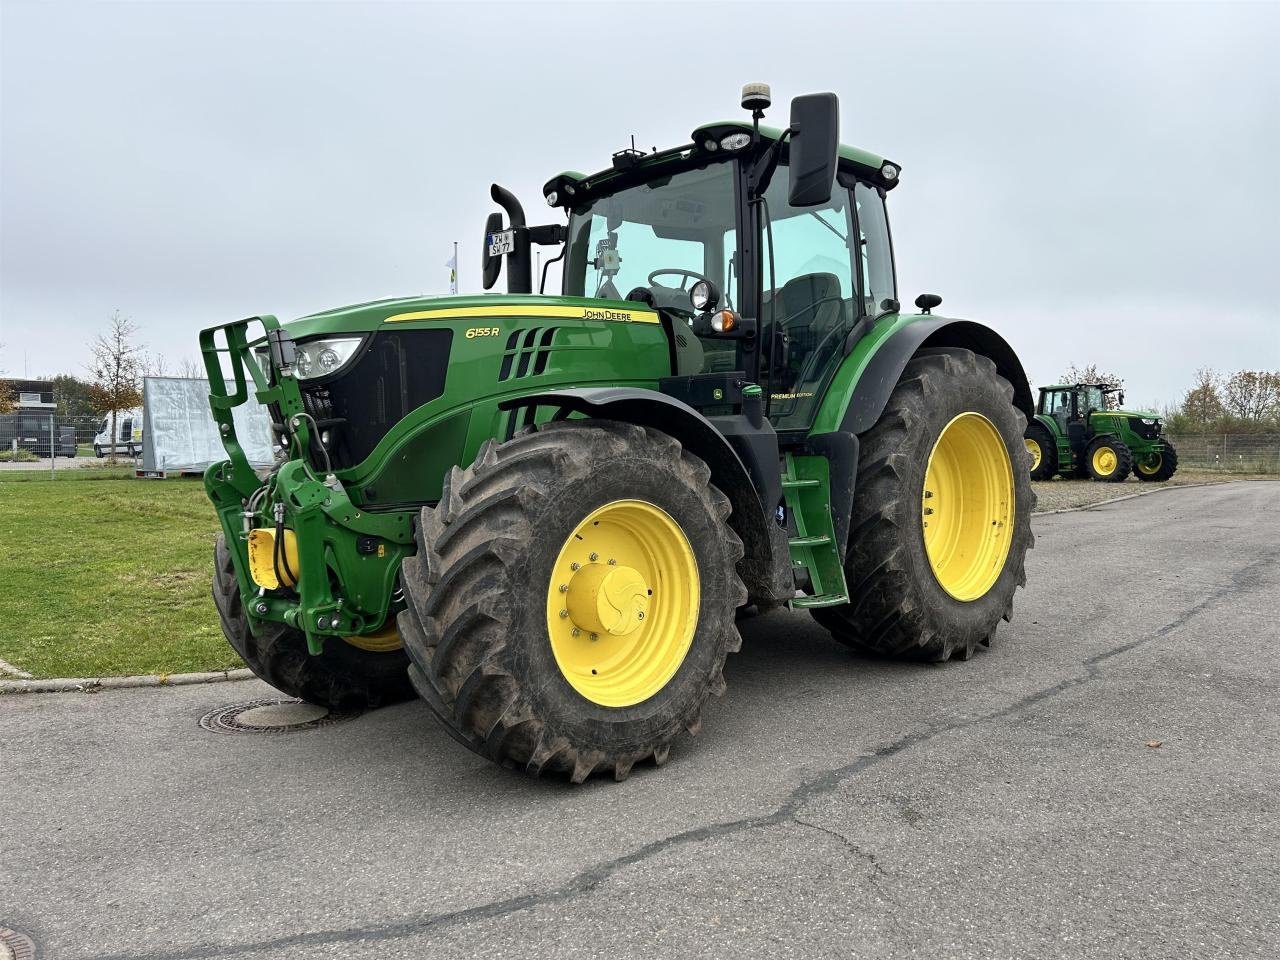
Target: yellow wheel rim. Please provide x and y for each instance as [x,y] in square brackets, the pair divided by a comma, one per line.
[622,604]
[1104,461]
[1152,466]
[384,641]
[1033,448]
[968,506]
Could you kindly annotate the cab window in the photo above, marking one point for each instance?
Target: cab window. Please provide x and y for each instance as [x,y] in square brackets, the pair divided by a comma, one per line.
[653,241]
[876,251]
[808,299]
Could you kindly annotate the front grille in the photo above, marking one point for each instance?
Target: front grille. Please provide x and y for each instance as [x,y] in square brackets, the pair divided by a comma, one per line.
[395,373]
[1148,431]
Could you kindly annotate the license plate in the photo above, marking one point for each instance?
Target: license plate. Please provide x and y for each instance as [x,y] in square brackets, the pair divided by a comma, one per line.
[502,243]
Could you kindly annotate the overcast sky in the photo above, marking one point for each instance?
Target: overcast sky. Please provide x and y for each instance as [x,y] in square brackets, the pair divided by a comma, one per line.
[1096,181]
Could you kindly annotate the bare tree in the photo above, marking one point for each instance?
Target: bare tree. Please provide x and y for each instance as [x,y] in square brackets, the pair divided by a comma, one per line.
[1091,374]
[191,368]
[116,370]
[1252,395]
[155,366]
[1202,404]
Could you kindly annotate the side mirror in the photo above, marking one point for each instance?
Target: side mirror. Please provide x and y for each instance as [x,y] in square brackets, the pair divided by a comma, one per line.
[815,126]
[491,266]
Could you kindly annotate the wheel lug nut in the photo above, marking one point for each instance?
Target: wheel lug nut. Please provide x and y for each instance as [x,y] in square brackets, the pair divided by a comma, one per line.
[595,636]
[575,565]
[564,588]
[594,557]
[612,562]
[564,614]
[576,632]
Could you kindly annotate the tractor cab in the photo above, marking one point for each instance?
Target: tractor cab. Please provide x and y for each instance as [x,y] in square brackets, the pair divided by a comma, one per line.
[763,251]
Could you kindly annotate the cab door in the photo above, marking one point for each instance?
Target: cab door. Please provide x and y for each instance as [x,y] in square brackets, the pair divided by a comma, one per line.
[831,266]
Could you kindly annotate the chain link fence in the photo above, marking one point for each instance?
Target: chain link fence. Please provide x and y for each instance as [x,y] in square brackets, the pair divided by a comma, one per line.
[1229,452]
[41,439]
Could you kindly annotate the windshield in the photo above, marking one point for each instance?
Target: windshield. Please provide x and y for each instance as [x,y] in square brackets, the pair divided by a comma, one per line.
[658,237]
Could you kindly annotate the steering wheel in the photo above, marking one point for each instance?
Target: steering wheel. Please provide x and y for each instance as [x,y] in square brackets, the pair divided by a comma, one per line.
[687,275]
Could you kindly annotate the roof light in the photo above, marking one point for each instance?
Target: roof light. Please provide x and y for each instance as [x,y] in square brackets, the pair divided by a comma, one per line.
[703,295]
[889,171]
[711,146]
[552,197]
[735,141]
[568,188]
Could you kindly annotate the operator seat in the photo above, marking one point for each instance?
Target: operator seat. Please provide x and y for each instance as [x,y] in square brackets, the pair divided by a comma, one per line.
[805,311]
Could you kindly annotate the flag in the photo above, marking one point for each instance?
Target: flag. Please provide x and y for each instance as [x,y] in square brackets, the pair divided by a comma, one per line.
[452,264]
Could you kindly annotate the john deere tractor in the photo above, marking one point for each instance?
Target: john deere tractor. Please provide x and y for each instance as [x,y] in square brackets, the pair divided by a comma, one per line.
[1075,434]
[542,512]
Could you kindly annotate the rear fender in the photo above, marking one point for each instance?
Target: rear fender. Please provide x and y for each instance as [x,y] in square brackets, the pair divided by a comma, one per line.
[881,369]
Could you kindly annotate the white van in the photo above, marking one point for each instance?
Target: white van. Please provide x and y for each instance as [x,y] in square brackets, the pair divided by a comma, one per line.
[128,438]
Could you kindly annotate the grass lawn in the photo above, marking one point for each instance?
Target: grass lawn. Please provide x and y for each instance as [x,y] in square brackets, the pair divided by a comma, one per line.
[104,575]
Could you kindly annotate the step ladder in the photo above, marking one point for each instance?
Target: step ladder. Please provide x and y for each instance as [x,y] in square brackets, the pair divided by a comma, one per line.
[805,487]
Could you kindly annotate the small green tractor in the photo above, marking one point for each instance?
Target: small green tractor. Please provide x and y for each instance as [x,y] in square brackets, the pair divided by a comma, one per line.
[1075,434]
[543,512]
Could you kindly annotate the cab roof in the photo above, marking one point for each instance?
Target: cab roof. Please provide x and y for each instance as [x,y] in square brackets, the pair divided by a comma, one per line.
[631,167]
[1077,386]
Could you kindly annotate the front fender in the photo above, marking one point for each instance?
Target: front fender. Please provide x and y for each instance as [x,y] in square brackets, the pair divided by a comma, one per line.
[861,386]
[748,489]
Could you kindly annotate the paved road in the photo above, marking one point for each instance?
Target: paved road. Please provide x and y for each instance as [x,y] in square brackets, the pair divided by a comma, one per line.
[833,806]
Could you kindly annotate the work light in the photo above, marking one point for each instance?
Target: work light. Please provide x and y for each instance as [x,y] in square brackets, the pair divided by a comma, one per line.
[703,295]
[735,141]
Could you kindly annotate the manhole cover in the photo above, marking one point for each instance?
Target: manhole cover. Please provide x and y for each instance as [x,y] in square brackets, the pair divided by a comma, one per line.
[271,716]
[14,946]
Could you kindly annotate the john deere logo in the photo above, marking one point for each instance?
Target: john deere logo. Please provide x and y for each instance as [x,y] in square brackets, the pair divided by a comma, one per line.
[605,315]
[717,394]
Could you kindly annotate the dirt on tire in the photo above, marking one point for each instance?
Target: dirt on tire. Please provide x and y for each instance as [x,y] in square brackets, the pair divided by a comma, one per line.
[475,626]
[897,607]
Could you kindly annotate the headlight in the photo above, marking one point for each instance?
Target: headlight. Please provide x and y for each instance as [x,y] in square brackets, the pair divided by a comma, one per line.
[1149,423]
[552,198]
[319,358]
[703,295]
[889,171]
[735,141]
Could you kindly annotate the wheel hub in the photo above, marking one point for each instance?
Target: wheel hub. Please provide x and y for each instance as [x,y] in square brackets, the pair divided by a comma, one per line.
[608,599]
[1104,460]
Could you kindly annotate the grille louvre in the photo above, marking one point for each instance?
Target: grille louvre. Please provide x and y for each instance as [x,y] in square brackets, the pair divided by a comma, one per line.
[527,353]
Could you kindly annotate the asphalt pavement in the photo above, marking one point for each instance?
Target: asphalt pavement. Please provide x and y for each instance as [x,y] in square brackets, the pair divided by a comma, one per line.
[1103,782]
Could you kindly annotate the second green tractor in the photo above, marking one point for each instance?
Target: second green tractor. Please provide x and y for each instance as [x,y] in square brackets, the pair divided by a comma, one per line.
[1076,433]
[542,512]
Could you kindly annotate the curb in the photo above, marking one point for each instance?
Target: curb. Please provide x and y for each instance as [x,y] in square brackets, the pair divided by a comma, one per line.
[94,684]
[1135,496]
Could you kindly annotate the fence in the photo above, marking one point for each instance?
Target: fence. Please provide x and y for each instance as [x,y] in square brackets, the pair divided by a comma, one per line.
[29,437]
[1229,452]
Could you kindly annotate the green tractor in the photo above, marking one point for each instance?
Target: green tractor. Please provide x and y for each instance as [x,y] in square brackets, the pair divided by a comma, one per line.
[543,512]
[1075,434]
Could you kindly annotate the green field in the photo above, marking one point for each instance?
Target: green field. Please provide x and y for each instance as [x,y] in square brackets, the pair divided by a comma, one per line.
[108,576]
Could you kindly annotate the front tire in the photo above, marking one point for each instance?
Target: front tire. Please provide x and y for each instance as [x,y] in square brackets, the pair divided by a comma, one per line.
[530,583]
[342,677]
[947,447]
[1156,468]
[1108,460]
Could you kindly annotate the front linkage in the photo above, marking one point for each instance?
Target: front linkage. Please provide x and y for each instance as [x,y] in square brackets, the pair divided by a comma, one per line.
[327,567]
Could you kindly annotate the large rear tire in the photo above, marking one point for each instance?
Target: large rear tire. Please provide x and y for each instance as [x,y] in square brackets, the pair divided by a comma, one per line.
[572,599]
[947,451]
[1158,467]
[1042,449]
[341,677]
